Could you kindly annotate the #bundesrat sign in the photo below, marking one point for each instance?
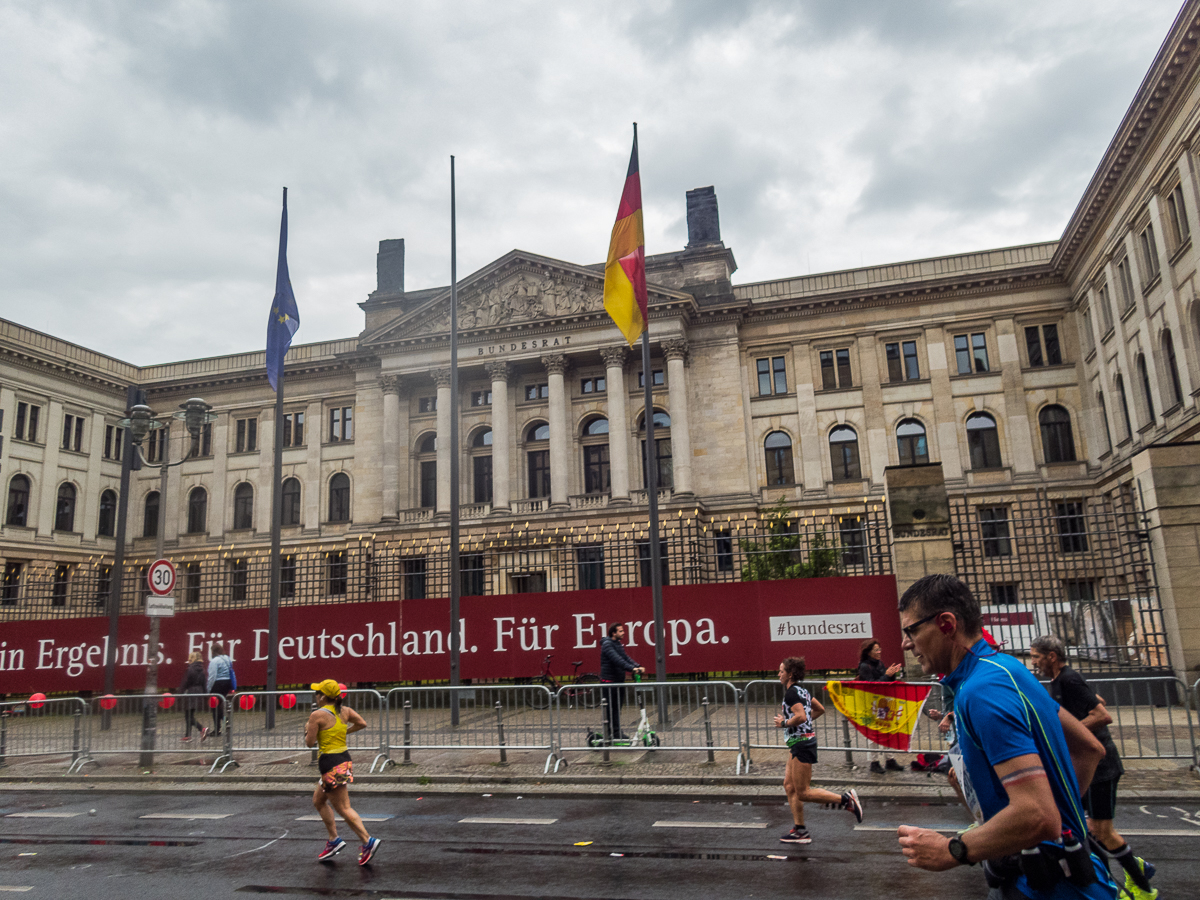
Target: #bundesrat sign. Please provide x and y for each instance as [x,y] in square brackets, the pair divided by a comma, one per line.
[161,579]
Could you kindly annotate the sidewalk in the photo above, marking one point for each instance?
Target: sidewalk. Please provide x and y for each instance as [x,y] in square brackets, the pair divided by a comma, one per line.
[640,772]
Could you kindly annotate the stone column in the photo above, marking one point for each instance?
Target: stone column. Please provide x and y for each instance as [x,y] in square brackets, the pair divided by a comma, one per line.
[390,384]
[618,423]
[502,438]
[442,378]
[675,352]
[560,432]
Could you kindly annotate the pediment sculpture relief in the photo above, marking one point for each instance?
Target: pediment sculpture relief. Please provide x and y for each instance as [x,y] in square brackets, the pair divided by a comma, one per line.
[522,298]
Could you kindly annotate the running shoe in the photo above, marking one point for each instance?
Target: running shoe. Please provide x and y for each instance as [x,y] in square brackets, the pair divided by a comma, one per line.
[1131,886]
[367,850]
[850,802]
[797,835]
[186,740]
[203,732]
[332,849]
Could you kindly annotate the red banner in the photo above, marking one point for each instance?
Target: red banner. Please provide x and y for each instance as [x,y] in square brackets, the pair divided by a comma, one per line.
[740,626]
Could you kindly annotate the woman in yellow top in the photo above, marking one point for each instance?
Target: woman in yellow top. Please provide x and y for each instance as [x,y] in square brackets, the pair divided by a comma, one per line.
[327,729]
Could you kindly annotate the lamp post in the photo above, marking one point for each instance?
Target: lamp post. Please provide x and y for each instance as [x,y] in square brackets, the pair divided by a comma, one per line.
[195,415]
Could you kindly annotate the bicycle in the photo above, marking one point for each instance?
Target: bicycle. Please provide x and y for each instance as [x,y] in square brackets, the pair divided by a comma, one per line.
[585,696]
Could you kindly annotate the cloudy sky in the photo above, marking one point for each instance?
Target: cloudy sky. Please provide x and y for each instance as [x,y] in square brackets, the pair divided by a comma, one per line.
[144,144]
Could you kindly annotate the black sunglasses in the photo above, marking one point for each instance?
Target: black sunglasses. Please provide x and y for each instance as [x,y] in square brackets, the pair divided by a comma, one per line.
[910,630]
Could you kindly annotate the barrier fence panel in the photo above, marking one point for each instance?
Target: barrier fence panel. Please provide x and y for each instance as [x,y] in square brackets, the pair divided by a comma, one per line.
[1151,717]
[50,727]
[699,716]
[248,731]
[500,717]
[116,723]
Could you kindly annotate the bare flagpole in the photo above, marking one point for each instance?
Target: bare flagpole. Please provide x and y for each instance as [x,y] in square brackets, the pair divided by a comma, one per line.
[455,586]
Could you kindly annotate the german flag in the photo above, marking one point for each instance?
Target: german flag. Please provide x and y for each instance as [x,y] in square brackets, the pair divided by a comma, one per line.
[625,271]
[885,712]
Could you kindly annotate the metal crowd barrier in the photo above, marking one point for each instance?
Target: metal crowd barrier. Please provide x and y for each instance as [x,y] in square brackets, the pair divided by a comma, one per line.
[1151,717]
[45,727]
[116,724]
[498,717]
[699,716]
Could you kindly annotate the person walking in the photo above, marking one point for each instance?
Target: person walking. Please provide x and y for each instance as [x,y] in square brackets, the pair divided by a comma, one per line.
[326,730]
[193,684]
[799,712]
[614,663]
[1024,759]
[871,668]
[1075,695]
[221,681]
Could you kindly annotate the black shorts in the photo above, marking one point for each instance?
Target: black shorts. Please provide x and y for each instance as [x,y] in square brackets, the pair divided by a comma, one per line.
[1100,801]
[804,752]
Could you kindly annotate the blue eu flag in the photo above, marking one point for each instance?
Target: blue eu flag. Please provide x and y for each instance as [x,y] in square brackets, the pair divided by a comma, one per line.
[285,318]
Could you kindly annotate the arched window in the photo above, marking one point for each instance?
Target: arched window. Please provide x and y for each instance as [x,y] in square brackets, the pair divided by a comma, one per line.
[339,498]
[537,456]
[290,495]
[597,476]
[1168,347]
[107,526]
[18,500]
[662,449]
[983,441]
[150,515]
[481,465]
[64,511]
[1057,442]
[243,507]
[427,469]
[911,443]
[1119,381]
[197,516]
[843,452]
[778,447]
[1147,395]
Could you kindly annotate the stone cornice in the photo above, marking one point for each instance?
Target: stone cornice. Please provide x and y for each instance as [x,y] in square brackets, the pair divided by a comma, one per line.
[13,357]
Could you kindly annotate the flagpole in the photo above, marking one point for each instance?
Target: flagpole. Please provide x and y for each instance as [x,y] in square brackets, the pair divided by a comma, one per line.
[276,528]
[455,585]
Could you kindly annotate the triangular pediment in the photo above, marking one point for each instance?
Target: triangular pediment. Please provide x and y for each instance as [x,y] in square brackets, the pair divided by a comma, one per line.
[517,289]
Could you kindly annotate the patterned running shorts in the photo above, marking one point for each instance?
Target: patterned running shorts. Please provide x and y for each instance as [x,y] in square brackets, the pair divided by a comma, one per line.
[339,775]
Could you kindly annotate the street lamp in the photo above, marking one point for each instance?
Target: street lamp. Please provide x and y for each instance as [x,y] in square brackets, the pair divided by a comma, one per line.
[195,414]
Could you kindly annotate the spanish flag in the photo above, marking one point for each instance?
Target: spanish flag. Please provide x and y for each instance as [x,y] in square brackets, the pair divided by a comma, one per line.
[625,271]
[886,712]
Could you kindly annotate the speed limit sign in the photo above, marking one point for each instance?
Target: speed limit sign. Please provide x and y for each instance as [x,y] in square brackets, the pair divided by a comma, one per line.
[161,577]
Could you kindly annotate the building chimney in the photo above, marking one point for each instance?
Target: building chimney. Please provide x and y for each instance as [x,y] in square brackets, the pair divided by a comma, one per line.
[389,267]
[704,223]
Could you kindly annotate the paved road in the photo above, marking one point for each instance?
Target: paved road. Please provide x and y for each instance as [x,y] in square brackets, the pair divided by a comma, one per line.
[186,845]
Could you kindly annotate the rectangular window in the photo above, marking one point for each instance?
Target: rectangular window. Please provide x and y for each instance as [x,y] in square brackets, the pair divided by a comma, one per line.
[287,575]
[238,577]
[427,405]
[1149,254]
[113,436]
[202,443]
[902,361]
[835,369]
[72,435]
[191,584]
[590,560]
[595,385]
[413,570]
[337,573]
[1072,526]
[828,373]
[970,352]
[539,473]
[26,426]
[596,472]
[993,527]
[429,483]
[472,575]
[852,534]
[247,436]
[481,398]
[772,376]
[1179,221]
[1089,340]
[1041,344]
[723,544]
[154,444]
[11,589]
[482,466]
[62,581]
[529,583]
[103,585]
[656,376]
[293,429]
[537,391]
[1106,316]
[1003,594]
[644,562]
[341,424]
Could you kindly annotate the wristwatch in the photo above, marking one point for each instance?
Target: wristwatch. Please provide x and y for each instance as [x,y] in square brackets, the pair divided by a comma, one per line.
[959,850]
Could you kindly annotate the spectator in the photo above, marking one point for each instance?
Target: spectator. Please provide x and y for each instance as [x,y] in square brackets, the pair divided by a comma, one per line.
[221,681]
[614,663]
[871,668]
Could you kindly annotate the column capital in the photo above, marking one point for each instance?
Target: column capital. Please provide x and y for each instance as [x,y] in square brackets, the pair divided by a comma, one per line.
[615,357]
[390,384]
[556,364]
[499,371]
[675,349]
[441,377]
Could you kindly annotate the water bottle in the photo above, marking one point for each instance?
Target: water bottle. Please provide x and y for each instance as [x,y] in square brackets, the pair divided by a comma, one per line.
[1039,869]
[1079,862]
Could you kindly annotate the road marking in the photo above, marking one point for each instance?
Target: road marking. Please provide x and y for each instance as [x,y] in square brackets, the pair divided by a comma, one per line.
[488,820]
[378,817]
[1136,832]
[43,815]
[16,889]
[666,823]
[949,829]
[186,816]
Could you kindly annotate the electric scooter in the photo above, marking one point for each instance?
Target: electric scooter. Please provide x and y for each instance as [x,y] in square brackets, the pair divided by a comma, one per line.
[643,737]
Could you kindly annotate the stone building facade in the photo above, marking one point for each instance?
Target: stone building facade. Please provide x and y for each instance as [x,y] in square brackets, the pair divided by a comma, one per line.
[1031,378]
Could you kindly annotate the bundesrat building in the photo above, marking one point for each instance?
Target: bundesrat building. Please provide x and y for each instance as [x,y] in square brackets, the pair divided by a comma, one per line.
[1025,417]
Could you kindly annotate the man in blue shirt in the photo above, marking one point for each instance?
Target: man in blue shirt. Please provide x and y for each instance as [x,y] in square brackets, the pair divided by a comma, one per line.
[1024,758]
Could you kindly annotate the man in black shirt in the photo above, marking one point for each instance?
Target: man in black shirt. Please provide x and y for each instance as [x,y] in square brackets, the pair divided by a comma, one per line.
[1068,687]
[614,663]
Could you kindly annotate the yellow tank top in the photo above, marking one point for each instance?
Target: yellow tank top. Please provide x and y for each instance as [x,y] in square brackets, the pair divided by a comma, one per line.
[333,738]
